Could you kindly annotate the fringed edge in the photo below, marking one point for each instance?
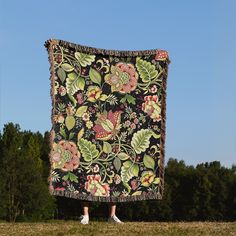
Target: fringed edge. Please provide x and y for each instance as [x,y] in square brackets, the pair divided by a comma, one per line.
[147,196]
[52,87]
[110,52]
[163,132]
[80,196]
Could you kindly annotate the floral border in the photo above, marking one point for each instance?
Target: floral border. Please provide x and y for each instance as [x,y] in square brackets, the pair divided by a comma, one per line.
[159,195]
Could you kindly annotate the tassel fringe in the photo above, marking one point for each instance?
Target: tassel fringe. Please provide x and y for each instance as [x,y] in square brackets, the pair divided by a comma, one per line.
[93,50]
[85,197]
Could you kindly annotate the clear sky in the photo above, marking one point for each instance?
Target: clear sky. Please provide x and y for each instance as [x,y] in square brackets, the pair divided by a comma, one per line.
[200,37]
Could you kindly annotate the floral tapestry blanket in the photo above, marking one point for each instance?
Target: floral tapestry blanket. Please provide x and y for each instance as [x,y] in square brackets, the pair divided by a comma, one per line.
[107,141]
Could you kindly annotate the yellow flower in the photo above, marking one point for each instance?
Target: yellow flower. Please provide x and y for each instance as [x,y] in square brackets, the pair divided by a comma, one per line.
[89,124]
[147,178]
[93,93]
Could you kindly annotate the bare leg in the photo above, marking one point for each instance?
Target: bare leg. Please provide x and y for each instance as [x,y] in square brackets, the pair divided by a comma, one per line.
[112,213]
[85,205]
[112,208]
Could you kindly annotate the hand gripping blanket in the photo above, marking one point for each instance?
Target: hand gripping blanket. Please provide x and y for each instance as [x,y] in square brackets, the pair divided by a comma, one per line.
[108,122]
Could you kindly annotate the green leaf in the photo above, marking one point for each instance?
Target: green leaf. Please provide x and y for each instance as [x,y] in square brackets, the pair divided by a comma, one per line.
[135,169]
[148,161]
[74,83]
[140,140]
[122,100]
[81,110]
[71,135]
[117,163]
[123,156]
[137,193]
[63,133]
[84,59]
[156,136]
[73,100]
[156,181]
[61,74]
[126,173]
[88,149]
[147,71]
[81,83]
[65,177]
[127,186]
[107,147]
[80,133]
[73,177]
[67,67]
[70,122]
[103,97]
[130,99]
[127,164]
[95,76]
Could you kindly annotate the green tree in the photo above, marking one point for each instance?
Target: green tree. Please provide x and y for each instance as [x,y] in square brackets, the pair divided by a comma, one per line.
[23,193]
[12,141]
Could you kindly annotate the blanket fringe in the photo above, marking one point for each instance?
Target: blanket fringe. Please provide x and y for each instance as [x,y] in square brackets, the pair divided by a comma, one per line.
[163,132]
[85,197]
[111,52]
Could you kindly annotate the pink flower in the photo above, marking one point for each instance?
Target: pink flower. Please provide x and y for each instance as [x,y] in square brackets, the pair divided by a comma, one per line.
[152,107]
[133,126]
[65,155]
[96,187]
[80,98]
[127,123]
[123,77]
[62,90]
[134,184]
[153,89]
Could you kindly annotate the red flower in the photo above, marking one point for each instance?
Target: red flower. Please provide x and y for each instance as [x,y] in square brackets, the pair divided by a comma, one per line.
[161,55]
[108,125]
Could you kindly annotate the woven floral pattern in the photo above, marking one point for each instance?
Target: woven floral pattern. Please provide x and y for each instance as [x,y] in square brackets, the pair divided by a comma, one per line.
[108,122]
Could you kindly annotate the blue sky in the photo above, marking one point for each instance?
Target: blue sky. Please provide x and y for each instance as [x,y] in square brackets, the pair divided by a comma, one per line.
[200,37]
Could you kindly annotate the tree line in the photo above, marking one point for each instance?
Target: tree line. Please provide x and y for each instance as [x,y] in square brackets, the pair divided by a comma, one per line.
[206,192]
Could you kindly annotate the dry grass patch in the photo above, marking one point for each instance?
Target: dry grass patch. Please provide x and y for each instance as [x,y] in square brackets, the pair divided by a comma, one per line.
[61,228]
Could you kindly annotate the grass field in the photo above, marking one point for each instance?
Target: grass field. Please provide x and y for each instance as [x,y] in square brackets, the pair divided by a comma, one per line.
[61,228]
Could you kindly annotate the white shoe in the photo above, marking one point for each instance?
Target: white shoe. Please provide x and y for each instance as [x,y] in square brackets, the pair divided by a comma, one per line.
[84,219]
[114,219]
